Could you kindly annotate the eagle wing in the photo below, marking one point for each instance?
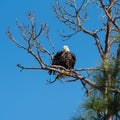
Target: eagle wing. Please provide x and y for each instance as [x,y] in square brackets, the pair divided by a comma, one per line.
[68,60]
[56,60]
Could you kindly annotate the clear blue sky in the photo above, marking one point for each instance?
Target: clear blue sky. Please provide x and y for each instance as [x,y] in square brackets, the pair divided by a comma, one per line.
[25,95]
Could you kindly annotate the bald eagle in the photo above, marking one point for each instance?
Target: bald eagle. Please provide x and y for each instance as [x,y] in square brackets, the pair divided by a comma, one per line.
[64,58]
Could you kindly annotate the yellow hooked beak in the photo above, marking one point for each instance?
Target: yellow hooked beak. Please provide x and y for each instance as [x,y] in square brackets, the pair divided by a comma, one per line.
[65,48]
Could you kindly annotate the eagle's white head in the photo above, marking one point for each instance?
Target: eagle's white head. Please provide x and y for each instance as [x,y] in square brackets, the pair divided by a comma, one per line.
[66,48]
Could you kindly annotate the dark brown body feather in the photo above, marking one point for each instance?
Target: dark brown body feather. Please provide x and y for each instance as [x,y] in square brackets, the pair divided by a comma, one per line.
[65,59]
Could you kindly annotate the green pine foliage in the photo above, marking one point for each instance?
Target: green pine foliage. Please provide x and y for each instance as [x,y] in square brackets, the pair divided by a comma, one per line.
[105,97]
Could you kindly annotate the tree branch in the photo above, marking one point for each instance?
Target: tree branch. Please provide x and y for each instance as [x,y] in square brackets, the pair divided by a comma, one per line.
[72,74]
[108,14]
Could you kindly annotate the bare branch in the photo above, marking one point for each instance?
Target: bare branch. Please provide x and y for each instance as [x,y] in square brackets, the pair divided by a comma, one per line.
[51,81]
[73,80]
[72,74]
[116,90]
[83,83]
[109,14]
[88,69]
[28,68]
[66,37]
[13,39]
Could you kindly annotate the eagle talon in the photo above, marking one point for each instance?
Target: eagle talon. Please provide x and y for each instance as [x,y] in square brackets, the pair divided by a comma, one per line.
[62,71]
[68,73]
